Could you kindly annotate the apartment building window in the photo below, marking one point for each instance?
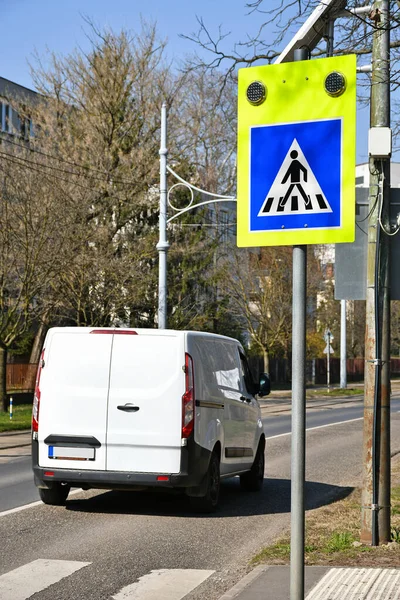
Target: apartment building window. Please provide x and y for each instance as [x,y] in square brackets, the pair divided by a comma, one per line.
[9,112]
[11,122]
[2,117]
[6,120]
[5,117]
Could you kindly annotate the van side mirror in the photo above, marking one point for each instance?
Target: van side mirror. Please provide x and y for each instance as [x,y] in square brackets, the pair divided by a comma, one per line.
[264,385]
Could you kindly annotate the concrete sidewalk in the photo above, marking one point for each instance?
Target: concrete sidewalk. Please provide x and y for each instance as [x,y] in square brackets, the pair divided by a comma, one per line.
[337,583]
[15,439]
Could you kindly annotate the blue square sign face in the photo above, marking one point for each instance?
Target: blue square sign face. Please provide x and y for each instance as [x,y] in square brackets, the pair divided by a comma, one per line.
[295,175]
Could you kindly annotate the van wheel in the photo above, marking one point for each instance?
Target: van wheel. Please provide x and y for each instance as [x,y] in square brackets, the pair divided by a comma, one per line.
[209,502]
[56,495]
[254,479]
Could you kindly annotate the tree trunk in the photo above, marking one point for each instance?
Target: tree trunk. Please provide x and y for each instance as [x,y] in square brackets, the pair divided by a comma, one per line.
[3,379]
[38,343]
[266,360]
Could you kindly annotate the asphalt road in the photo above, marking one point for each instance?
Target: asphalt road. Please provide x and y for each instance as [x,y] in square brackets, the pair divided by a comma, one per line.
[116,538]
[16,480]
[323,413]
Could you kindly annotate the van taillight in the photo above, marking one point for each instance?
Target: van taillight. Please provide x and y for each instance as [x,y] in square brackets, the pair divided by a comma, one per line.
[36,397]
[188,398]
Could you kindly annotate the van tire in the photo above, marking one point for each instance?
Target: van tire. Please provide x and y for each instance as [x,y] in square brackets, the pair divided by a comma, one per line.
[254,479]
[209,502]
[56,495]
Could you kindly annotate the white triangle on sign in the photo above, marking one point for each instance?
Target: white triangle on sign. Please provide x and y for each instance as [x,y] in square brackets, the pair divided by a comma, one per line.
[329,349]
[295,189]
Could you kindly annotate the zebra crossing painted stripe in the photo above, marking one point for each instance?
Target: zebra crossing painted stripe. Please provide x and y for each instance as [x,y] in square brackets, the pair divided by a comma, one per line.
[168,584]
[351,584]
[313,204]
[36,576]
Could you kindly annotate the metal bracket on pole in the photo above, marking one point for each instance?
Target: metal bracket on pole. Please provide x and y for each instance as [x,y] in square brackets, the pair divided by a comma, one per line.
[162,246]
[312,31]
[375,361]
[364,69]
[354,12]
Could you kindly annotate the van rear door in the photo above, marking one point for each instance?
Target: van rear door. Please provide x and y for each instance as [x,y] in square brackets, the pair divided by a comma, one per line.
[145,403]
[73,403]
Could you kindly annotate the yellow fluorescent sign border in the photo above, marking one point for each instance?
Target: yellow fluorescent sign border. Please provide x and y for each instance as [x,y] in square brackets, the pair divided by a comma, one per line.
[296,95]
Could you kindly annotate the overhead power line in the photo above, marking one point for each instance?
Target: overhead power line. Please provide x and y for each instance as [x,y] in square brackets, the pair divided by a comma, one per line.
[68,162]
[51,167]
[9,158]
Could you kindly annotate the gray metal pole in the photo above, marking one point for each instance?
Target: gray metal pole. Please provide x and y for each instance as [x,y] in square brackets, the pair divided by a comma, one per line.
[343,371]
[328,364]
[375,511]
[343,330]
[298,411]
[330,37]
[163,244]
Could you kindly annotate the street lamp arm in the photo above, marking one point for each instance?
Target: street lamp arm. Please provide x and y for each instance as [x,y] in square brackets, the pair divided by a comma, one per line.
[184,210]
[193,187]
[163,245]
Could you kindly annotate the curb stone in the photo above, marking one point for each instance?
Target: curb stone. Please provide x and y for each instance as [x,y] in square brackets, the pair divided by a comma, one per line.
[244,583]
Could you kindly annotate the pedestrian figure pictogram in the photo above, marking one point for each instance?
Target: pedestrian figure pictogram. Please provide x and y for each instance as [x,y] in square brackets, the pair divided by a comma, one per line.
[295,178]
[294,172]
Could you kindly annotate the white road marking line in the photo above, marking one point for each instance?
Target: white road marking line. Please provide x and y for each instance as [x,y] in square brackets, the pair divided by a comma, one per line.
[273,437]
[168,584]
[11,511]
[4,513]
[36,576]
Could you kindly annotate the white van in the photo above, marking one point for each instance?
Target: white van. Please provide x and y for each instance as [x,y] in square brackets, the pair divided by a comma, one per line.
[140,408]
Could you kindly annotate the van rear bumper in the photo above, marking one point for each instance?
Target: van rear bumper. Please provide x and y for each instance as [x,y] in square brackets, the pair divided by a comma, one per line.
[194,465]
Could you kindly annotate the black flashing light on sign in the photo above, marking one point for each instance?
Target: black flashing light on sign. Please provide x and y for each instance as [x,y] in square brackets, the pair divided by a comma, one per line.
[335,83]
[256,93]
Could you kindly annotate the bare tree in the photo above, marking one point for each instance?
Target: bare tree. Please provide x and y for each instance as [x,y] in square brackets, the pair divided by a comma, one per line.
[279,21]
[97,141]
[203,130]
[32,241]
[98,137]
[259,286]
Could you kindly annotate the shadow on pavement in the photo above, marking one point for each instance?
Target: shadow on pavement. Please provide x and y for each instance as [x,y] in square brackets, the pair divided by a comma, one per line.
[274,499]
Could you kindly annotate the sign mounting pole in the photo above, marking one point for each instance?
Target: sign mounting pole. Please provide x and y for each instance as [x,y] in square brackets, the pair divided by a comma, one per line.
[298,411]
[296,161]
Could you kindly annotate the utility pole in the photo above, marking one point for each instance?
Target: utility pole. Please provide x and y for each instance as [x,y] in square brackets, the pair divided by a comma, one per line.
[375,516]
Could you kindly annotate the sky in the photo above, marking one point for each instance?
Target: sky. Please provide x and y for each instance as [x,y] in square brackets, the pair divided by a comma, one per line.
[29,26]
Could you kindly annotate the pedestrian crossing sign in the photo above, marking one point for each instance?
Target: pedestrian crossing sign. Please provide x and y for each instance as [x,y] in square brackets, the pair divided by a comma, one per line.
[296,155]
[295,178]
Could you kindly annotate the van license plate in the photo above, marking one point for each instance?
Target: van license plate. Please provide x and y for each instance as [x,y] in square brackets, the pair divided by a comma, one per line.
[62,453]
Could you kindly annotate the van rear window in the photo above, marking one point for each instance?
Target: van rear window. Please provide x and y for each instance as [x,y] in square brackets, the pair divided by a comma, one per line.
[146,361]
[78,360]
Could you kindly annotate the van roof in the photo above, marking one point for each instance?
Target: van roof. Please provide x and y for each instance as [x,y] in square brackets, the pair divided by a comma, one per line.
[141,330]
